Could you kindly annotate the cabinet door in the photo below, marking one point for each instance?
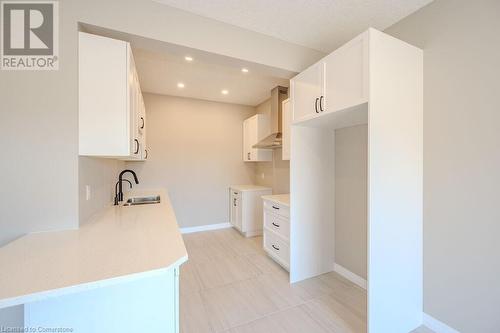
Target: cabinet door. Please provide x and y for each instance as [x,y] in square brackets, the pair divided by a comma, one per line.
[307,89]
[142,129]
[253,132]
[346,76]
[134,95]
[286,123]
[246,140]
[236,209]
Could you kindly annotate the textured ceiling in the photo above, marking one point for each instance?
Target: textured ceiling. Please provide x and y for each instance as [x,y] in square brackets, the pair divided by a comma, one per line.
[319,24]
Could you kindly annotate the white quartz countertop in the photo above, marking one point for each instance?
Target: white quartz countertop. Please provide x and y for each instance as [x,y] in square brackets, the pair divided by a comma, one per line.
[283,199]
[249,187]
[117,245]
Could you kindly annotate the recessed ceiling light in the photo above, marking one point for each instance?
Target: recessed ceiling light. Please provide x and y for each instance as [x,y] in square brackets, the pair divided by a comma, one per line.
[225,92]
[244,70]
[188,58]
[180,85]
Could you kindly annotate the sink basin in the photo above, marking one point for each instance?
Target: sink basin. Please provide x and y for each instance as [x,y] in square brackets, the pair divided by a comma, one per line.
[142,201]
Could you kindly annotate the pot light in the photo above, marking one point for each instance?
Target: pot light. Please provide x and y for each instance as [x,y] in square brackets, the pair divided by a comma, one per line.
[244,70]
[225,92]
[188,58]
[180,85]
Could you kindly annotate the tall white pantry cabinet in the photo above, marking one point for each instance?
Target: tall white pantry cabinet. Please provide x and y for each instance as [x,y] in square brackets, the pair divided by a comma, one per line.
[112,115]
[377,80]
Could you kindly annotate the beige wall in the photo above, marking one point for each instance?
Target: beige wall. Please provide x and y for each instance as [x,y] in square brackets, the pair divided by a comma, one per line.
[195,152]
[101,175]
[351,163]
[276,173]
[461,43]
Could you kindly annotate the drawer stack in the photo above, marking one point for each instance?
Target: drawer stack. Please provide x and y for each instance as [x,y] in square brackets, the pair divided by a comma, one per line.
[277,232]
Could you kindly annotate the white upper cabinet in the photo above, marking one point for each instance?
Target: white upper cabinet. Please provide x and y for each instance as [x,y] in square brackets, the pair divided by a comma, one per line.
[255,129]
[346,76]
[112,116]
[306,91]
[336,82]
[286,124]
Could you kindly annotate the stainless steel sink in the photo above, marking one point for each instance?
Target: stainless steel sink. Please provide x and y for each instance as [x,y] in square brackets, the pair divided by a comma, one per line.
[142,201]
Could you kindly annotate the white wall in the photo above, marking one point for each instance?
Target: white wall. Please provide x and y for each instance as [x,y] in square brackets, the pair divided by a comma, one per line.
[195,152]
[351,163]
[461,43]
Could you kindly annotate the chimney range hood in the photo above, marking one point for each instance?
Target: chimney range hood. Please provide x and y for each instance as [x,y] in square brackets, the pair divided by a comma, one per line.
[273,141]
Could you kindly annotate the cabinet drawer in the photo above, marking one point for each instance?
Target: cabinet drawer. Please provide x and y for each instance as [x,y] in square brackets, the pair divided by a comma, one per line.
[277,248]
[277,208]
[277,223]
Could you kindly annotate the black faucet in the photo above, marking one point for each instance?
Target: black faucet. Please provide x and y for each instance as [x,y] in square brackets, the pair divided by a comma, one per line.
[116,189]
[119,194]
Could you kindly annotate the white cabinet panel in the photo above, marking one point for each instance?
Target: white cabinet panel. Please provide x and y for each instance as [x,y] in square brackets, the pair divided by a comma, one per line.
[286,123]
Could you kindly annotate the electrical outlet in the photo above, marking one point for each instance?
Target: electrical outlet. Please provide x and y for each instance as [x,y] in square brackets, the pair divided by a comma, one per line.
[87,192]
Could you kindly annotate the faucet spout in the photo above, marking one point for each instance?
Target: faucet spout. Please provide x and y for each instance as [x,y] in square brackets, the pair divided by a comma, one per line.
[119,194]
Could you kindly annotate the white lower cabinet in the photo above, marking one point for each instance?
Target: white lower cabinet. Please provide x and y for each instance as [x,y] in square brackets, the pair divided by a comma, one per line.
[147,304]
[277,232]
[246,208]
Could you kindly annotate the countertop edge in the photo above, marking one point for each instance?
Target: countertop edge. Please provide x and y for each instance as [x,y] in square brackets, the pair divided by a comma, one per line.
[37,296]
[277,199]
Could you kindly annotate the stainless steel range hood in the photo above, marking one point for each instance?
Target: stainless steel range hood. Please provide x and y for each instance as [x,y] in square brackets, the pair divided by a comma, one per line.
[273,141]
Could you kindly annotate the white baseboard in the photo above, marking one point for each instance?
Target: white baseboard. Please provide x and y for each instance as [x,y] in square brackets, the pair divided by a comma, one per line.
[206,227]
[356,279]
[436,325]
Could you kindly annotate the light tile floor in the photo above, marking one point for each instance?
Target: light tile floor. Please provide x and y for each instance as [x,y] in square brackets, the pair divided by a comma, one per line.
[230,285]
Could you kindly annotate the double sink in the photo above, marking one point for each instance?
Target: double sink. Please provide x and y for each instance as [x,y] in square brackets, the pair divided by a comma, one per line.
[155,199]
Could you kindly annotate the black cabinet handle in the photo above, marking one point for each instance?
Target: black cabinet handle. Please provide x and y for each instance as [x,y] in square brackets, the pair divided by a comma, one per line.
[136,146]
[235,193]
[316,105]
[276,225]
[143,123]
[276,207]
[234,202]
[146,151]
[321,103]
[276,248]
[249,157]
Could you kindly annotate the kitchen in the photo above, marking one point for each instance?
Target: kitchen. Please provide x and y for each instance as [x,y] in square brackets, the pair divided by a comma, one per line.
[213,171]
